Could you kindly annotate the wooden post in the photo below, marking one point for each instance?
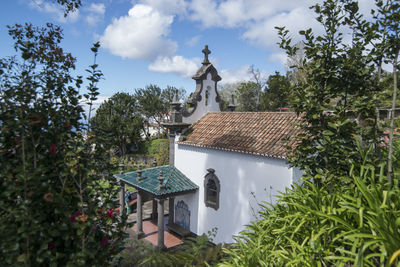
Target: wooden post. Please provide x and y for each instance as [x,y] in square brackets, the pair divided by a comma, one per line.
[139,214]
[160,224]
[171,210]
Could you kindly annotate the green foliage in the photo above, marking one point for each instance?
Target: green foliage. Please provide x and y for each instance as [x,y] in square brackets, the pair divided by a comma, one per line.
[53,211]
[198,251]
[159,148]
[324,226]
[151,103]
[118,120]
[258,94]
[276,94]
[226,91]
[354,220]
[195,251]
[69,5]
[339,79]
[248,96]
[154,102]
[388,26]
[386,96]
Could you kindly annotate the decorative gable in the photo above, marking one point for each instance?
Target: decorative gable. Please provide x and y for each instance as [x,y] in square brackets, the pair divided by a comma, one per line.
[205,98]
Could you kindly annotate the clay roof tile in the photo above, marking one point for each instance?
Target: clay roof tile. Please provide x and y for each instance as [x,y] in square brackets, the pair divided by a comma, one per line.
[259,133]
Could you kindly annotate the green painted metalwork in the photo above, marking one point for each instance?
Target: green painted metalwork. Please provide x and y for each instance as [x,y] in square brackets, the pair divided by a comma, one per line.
[159,181]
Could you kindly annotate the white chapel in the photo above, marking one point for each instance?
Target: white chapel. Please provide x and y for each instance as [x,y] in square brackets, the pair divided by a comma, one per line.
[222,164]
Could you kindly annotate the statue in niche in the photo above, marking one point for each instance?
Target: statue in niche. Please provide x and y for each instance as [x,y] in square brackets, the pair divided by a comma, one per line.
[207,94]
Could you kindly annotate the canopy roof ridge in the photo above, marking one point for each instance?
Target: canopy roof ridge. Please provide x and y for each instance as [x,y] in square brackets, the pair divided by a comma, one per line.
[168,178]
[177,182]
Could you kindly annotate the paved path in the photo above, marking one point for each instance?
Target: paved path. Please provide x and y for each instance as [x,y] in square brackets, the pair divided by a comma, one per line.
[151,234]
[150,227]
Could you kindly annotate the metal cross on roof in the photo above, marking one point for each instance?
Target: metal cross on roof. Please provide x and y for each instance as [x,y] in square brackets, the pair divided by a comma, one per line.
[206,53]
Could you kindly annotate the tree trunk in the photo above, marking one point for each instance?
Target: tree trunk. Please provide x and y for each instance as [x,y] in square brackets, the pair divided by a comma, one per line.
[389,177]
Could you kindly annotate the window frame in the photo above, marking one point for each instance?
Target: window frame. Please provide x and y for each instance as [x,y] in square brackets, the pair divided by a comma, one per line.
[211,176]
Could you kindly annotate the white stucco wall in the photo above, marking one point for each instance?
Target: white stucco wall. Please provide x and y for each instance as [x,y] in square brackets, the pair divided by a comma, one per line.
[202,108]
[245,180]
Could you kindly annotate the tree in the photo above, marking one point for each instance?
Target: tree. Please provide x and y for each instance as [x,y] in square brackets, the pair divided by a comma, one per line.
[388,20]
[336,72]
[248,94]
[295,65]
[276,94]
[226,91]
[119,119]
[154,103]
[168,94]
[69,5]
[53,210]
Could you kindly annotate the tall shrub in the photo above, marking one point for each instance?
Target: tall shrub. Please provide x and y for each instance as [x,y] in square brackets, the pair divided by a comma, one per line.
[52,209]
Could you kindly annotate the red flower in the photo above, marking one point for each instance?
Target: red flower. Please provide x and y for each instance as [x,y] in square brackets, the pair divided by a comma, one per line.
[83,217]
[73,216]
[110,213]
[51,245]
[5,128]
[104,242]
[67,126]
[53,149]
[76,167]
[48,197]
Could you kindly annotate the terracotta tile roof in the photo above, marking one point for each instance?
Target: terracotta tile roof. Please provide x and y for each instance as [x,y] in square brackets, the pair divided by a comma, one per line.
[258,133]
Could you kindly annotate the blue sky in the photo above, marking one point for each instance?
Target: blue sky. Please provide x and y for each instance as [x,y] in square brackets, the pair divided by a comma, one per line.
[160,41]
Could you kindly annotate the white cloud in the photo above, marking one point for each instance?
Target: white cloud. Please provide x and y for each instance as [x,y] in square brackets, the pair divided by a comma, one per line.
[96,104]
[265,34]
[279,57]
[176,64]
[232,12]
[205,11]
[238,13]
[242,74]
[365,8]
[226,14]
[139,35]
[96,14]
[235,75]
[168,7]
[257,18]
[193,41]
[55,11]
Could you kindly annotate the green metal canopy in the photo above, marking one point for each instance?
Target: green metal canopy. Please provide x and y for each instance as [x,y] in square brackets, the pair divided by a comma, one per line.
[161,181]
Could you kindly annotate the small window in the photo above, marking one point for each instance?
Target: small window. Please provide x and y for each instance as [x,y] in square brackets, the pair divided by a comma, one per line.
[211,190]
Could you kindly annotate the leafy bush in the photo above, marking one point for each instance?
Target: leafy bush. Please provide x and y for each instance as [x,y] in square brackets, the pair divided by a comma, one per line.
[159,148]
[320,226]
[53,210]
[195,251]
